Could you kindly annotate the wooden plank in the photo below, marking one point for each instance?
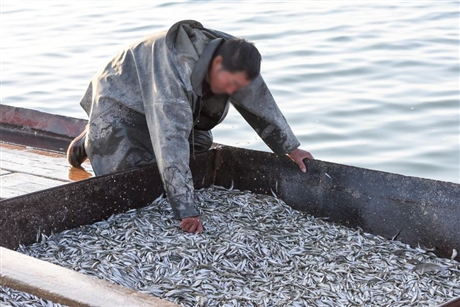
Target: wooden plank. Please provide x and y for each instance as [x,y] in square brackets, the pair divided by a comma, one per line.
[452,303]
[33,162]
[25,170]
[41,121]
[16,184]
[8,193]
[65,286]
[5,146]
[52,171]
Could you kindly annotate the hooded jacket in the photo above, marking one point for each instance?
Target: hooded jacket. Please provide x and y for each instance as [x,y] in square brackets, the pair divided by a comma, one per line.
[161,78]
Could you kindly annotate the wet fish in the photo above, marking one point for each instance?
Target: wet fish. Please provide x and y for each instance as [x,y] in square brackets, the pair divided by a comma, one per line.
[255,251]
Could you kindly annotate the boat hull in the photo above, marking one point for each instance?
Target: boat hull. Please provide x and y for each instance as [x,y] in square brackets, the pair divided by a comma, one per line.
[417,211]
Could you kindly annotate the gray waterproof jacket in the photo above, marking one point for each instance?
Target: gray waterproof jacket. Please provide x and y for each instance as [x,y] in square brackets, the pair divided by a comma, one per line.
[160,78]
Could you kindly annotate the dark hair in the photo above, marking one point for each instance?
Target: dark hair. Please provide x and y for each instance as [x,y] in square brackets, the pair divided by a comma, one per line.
[240,55]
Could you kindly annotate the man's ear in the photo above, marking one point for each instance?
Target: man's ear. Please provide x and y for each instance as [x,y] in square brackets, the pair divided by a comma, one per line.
[217,61]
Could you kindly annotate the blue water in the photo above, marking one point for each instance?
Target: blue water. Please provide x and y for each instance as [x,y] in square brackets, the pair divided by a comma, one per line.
[366,83]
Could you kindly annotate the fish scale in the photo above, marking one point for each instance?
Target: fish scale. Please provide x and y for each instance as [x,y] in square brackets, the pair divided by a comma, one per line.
[255,251]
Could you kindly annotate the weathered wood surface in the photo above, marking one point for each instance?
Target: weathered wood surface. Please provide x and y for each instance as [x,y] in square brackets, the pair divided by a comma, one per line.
[25,170]
[65,286]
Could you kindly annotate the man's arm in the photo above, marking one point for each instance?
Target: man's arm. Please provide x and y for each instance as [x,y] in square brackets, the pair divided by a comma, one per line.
[256,104]
[170,120]
[169,123]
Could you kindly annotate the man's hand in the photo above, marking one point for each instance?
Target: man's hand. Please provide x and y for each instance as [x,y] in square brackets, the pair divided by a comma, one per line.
[191,224]
[297,155]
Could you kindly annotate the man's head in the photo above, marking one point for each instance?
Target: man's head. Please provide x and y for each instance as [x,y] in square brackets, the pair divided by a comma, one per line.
[235,64]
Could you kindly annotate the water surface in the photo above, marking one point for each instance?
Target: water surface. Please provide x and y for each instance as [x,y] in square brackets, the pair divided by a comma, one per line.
[367,84]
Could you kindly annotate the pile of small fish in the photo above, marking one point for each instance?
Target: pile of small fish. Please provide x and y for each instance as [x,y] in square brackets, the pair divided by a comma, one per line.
[255,251]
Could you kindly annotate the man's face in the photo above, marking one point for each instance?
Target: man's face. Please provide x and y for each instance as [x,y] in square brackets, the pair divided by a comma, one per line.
[225,82]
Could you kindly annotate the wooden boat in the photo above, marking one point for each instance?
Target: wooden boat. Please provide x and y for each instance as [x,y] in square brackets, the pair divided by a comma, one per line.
[417,211]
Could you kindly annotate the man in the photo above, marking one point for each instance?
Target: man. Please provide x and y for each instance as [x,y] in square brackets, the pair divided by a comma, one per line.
[158,100]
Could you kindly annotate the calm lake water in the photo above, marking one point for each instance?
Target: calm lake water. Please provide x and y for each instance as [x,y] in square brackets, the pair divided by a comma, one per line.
[369,84]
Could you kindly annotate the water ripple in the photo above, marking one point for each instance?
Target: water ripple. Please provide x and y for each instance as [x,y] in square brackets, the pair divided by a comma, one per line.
[369,84]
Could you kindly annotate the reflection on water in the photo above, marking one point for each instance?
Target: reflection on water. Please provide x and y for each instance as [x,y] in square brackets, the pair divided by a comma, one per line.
[364,84]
